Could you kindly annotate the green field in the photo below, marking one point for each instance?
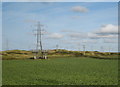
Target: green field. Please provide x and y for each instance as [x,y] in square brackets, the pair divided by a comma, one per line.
[60,71]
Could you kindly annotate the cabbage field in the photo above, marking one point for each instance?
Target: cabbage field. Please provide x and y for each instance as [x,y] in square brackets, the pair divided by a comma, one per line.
[60,71]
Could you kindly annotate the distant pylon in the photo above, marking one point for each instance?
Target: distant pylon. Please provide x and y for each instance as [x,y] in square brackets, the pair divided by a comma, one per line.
[7,44]
[102,49]
[57,47]
[84,49]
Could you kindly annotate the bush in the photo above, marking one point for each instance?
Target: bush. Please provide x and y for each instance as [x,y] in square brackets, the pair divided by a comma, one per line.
[77,54]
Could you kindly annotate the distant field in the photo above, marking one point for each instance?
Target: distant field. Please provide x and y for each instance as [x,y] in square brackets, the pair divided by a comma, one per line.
[60,71]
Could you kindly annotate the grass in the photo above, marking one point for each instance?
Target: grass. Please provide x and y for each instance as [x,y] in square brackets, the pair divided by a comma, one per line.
[60,71]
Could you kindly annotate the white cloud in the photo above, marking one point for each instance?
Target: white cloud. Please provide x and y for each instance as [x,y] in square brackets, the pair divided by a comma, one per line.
[55,36]
[96,36]
[77,35]
[108,29]
[89,41]
[79,9]
[67,31]
[92,36]
[75,17]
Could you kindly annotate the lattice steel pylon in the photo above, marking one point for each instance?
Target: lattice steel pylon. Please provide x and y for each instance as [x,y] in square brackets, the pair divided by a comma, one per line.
[39,48]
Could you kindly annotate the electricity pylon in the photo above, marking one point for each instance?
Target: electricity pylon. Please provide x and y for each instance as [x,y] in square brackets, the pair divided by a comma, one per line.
[7,44]
[110,50]
[92,51]
[102,49]
[84,49]
[39,48]
[57,47]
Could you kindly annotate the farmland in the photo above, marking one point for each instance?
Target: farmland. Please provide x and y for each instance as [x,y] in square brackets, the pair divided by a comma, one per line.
[60,71]
[58,42]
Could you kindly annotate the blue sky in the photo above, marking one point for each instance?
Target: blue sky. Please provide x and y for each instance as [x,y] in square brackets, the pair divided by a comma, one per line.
[68,24]
[60,0]
[0,26]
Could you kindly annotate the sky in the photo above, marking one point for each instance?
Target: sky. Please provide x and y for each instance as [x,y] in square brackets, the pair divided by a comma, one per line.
[0,26]
[70,25]
[60,0]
